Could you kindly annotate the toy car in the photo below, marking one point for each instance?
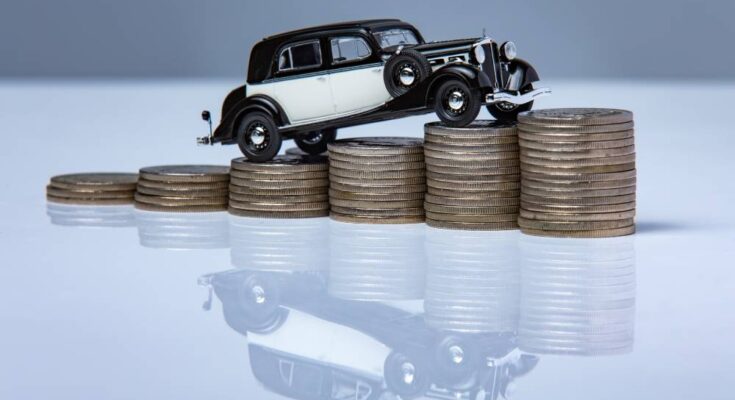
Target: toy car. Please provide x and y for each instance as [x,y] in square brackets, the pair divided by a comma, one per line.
[305,84]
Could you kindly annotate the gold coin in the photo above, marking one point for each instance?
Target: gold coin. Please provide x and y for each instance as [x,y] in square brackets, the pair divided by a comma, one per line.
[287,199]
[376,159]
[572,217]
[180,208]
[475,218]
[278,214]
[573,170]
[281,164]
[430,175]
[576,146]
[342,195]
[454,190]
[470,186]
[457,210]
[89,202]
[578,201]
[378,189]
[183,185]
[579,162]
[382,205]
[578,209]
[280,184]
[377,146]
[452,149]
[96,181]
[367,174]
[278,191]
[573,225]
[445,162]
[179,201]
[628,230]
[477,171]
[91,195]
[354,219]
[477,128]
[462,202]
[577,155]
[273,207]
[275,177]
[377,182]
[183,193]
[472,226]
[575,116]
[577,192]
[373,212]
[502,155]
[397,166]
[186,173]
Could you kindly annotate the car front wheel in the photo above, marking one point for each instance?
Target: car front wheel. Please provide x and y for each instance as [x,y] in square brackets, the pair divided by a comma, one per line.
[456,104]
[315,143]
[258,137]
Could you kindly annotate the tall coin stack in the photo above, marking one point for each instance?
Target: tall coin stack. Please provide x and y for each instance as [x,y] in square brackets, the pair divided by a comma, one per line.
[183,188]
[473,176]
[288,186]
[578,172]
[378,180]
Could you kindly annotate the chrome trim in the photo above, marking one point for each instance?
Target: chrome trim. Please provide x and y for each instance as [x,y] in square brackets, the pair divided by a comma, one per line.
[459,48]
[317,73]
[483,41]
[492,98]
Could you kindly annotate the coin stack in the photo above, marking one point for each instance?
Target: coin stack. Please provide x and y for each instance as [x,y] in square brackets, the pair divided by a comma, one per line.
[98,188]
[578,172]
[183,188]
[380,180]
[473,176]
[288,186]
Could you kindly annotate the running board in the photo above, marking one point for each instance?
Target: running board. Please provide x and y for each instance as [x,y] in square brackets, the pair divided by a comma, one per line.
[524,98]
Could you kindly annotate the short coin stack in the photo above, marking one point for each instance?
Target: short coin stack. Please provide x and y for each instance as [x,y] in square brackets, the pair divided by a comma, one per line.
[183,188]
[380,180]
[473,176]
[578,172]
[100,188]
[288,186]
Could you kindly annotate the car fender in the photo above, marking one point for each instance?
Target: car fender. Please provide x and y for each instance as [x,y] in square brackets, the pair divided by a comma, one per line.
[234,108]
[466,72]
[521,74]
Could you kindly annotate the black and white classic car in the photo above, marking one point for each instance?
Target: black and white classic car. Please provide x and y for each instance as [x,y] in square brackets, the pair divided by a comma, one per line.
[305,84]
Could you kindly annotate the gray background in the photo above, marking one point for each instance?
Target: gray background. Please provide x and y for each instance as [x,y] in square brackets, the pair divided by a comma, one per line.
[189,38]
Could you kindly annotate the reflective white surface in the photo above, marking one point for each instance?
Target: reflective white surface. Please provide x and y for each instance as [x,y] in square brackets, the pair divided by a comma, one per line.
[107,302]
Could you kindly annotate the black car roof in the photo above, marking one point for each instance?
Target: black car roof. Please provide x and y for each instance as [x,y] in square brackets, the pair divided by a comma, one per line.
[365,23]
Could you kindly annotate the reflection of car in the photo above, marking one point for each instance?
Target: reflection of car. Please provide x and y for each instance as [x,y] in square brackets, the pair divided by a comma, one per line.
[306,344]
[305,84]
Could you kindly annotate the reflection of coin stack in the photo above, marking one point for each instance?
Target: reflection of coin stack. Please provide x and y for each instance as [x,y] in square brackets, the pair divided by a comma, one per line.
[376,262]
[183,188]
[181,230]
[90,216]
[293,245]
[472,284]
[577,295]
[288,186]
[578,172]
[472,176]
[377,180]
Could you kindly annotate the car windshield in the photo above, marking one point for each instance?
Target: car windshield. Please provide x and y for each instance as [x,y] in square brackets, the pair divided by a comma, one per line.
[395,37]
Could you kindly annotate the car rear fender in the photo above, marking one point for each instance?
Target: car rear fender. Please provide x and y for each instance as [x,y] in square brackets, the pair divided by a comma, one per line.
[235,108]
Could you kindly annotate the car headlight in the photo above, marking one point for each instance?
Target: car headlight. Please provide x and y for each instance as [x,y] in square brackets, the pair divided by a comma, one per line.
[479,54]
[509,50]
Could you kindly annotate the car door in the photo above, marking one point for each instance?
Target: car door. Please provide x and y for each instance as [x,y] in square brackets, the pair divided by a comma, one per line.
[356,76]
[301,85]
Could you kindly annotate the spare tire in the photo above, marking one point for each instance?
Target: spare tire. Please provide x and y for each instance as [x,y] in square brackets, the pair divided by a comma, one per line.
[404,71]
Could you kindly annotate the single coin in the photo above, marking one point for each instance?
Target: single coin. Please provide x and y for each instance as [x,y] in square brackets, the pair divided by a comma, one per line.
[186,173]
[471,141]
[459,198]
[278,214]
[576,146]
[581,162]
[180,208]
[368,174]
[564,185]
[573,226]
[576,192]
[377,182]
[628,230]
[354,219]
[89,202]
[446,162]
[284,199]
[377,145]
[462,202]
[278,192]
[503,155]
[578,178]
[578,129]
[295,151]
[183,193]
[461,190]
[575,116]
[452,149]
[472,178]
[580,201]
[279,176]
[375,205]
[176,201]
[376,159]
[241,205]
[475,218]
[342,195]
[479,185]
[571,170]
[96,180]
[457,210]
[183,185]
[476,171]
[379,189]
[280,184]
[578,209]
[86,194]
[477,128]
[574,138]
[397,166]
[281,164]
[572,217]
[378,211]
[472,226]
[575,155]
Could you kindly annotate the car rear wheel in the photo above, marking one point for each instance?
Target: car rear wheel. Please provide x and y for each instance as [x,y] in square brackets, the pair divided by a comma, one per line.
[258,137]
[505,111]
[315,143]
[456,104]
[404,71]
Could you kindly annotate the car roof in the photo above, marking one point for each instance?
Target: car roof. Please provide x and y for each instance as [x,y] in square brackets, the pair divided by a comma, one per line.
[365,23]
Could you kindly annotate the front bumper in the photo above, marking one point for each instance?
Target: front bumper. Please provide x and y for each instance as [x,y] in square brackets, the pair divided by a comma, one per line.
[513,98]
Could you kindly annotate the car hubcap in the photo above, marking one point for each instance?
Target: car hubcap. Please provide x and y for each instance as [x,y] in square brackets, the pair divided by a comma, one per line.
[456,100]
[258,294]
[507,106]
[409,373]
[257,136]
[313,138]
[407,75]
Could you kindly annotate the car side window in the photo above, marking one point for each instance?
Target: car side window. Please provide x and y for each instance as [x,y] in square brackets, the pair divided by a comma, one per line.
[349,48]
[300,56]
